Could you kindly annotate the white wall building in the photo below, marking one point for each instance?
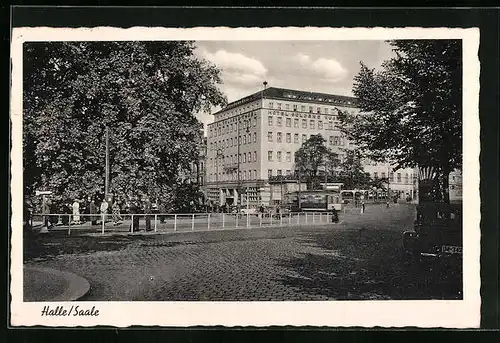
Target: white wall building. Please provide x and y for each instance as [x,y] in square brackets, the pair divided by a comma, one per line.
[258,136]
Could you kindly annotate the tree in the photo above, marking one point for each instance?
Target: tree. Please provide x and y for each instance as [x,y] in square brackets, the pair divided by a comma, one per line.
[411,110]
[146,93]
[312,155]
[352,173]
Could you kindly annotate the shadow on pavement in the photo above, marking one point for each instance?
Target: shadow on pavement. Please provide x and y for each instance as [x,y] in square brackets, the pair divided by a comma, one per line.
[47,246]
[373,268]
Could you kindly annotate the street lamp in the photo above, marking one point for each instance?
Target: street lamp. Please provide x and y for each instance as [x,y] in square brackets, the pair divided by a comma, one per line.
[219,154]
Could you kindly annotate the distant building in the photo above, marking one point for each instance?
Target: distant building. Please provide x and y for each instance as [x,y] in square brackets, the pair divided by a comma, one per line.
[402,183]
[255,138]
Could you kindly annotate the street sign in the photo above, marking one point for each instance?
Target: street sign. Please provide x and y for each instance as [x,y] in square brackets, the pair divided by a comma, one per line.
[43,192]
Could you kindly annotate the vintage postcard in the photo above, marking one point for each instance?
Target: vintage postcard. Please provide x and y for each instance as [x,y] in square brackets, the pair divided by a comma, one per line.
[245,177]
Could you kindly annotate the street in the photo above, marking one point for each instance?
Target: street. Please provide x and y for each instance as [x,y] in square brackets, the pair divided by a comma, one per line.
[359,259]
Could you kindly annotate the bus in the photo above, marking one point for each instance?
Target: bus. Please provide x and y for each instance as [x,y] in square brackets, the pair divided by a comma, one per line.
[314,201]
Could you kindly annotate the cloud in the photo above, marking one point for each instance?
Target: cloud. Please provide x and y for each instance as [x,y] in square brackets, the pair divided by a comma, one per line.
[327,69]
[236,67]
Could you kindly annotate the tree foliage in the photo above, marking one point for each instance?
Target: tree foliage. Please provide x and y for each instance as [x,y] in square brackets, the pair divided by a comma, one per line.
[411,110]
[146,93]
[312,155]
[352,173]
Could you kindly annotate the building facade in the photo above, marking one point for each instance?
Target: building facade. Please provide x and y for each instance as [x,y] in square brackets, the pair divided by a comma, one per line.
[256,137]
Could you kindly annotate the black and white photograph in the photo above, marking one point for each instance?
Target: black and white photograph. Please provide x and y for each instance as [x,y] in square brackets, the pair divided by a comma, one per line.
[279,172]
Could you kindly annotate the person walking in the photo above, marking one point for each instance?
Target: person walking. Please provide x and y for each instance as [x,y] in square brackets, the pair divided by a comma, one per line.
[93,212]
[147,211]
[116,213]
[76,212]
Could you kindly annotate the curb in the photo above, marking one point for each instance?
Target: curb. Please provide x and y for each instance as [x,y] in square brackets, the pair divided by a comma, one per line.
[77,288]
[240,228]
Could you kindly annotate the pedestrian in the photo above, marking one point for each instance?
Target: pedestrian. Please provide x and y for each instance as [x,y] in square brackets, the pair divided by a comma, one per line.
[278,214]
[261,210]
[54,218]
[335,215]
[362,206]
[76,212]
[116,213]
[66,209]
[161,211]
[93,212]
[46,212]
[84,208]
[134,209]
[104,210]
[147,211]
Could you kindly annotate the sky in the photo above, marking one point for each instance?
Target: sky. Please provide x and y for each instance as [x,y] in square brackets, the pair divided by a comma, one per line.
[317,66]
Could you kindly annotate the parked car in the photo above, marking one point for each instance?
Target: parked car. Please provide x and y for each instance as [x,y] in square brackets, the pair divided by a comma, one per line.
[437,232]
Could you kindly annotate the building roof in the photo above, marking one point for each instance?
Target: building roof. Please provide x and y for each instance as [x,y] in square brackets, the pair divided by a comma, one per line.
[294,95]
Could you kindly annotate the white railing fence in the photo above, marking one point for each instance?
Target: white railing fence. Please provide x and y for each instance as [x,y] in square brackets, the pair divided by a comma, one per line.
[168,222]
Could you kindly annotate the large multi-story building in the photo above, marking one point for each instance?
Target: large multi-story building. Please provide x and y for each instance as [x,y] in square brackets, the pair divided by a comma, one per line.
[256,137]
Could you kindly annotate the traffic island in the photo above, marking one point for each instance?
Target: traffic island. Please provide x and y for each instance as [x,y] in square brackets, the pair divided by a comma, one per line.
[44,284]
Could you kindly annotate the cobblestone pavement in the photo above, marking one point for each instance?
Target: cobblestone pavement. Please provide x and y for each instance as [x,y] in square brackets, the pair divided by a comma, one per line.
[359,259]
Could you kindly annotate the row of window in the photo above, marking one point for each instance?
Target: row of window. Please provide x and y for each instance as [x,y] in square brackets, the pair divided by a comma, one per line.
[231,142]
[303,108]
[279,172]
[398,177]
[279,155]
[233,176]
[243,158]
[312,123]
[333,140]
[231,125]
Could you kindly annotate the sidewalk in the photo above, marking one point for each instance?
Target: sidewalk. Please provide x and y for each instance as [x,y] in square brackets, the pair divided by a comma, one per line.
[43,284]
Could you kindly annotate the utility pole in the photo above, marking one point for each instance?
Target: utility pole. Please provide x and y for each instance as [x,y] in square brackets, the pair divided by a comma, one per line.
[298,194]
[238,187]
[106,179]
[388,182]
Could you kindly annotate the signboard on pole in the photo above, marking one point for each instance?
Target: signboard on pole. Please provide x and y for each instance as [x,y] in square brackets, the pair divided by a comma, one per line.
[43,192]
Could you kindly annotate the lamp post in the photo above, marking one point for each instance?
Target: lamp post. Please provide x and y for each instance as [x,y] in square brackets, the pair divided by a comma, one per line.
[106,178]
[388,184]
[219,154]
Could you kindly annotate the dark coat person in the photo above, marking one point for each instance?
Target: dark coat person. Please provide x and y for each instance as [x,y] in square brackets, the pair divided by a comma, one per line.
[92,212]
[335,215]
[134,209]
[162,209]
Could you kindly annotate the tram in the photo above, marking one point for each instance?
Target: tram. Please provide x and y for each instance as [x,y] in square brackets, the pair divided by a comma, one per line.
[351,196]
[314,201]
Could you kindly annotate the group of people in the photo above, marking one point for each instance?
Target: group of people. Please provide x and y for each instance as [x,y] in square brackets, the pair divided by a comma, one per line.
[97,212]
